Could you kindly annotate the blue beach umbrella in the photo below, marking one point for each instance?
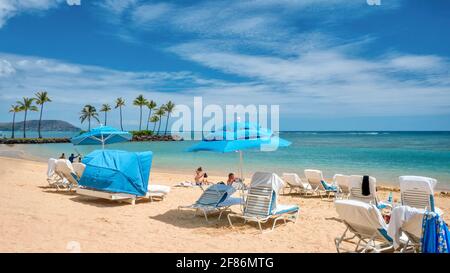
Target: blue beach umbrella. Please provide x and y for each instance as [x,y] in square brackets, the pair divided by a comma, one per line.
[101,135]
[239,136]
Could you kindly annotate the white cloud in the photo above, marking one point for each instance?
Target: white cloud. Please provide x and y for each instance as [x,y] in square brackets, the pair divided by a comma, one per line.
[10,8]
[333,81]
[318,84]
[149,12]
[6,68]
[73,2]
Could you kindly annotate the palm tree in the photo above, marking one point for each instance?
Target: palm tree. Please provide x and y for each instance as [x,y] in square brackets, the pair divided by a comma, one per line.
[160,112]
[154,119]
[105,108]
[170,106]
[41,98]
[89,112]
[14,109]
[140,101]
[120,102]
[151,105]
[26,105]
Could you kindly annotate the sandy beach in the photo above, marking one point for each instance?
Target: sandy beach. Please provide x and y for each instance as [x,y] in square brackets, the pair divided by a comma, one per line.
[35,218]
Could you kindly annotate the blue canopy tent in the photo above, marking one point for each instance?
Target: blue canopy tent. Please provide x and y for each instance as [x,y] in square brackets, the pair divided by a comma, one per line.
[117,171]
[101,135]
[239,136]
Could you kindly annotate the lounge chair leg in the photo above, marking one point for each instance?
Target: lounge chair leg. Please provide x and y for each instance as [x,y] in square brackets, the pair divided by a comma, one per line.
[260,228]
[229,221]
[274,223]
[206,216]
[221,212]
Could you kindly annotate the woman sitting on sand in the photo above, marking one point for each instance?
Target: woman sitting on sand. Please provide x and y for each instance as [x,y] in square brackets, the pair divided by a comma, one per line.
[205,179]
[199,175]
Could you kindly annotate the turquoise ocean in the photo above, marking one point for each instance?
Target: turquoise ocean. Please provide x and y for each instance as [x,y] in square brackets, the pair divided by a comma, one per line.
[384,155]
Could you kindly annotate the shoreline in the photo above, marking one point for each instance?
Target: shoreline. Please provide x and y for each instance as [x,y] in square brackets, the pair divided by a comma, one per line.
[51,140]
[384,185]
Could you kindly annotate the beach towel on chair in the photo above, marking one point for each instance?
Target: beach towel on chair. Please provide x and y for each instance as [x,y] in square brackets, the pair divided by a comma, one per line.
[365,186]
[215,194]
[329,187]
[435,234]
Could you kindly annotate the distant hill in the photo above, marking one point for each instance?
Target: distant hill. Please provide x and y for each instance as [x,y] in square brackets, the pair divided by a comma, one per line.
[46,125]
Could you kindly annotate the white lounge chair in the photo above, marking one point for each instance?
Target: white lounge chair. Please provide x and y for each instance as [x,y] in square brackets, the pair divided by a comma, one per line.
[355,188]
[261,202]
[406,221]
[158,191]
[315,177]
[418,192]
[64,169]
[78,168]
[215,198]
[365,222]
[343,182]
[295,183]
[54,178]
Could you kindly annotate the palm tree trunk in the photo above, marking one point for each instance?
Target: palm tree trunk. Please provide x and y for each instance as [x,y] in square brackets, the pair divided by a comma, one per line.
[167,123]
[121,126]
[106,118]
[159,125]
[40,119]
[25,125]
[154,127]
[89,124]
[148,119]
[13,125]
[140,118]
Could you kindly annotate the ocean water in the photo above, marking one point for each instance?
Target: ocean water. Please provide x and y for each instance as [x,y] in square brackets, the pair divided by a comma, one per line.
[384,155]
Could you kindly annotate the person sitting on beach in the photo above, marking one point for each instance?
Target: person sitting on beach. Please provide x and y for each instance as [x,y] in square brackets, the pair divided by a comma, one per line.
[199,176]
[205,179]
[80,158]
[72,157]
[63,156]
[231,179]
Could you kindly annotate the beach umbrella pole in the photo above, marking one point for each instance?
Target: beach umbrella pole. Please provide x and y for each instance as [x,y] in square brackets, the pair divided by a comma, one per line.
[241,163]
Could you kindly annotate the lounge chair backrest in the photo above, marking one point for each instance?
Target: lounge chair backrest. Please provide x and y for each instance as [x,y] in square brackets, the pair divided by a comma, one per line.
[78,168]
[343,181]
[51,167]
[215,194]
[355,188]
[64,168]
[362,218]
[270,180]
[417,191]
[259,201]
[314,177]
[293,180]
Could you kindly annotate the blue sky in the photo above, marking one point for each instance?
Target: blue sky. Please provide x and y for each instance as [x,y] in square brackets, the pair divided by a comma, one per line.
[329,64]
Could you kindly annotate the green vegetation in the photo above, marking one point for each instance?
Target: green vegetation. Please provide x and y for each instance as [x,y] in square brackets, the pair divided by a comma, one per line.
[141,133]
[89,112]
